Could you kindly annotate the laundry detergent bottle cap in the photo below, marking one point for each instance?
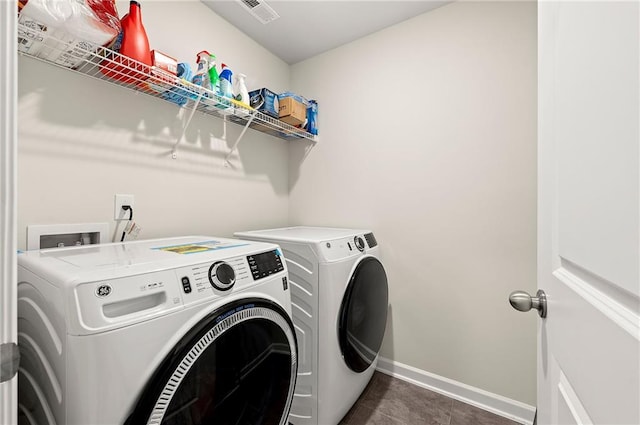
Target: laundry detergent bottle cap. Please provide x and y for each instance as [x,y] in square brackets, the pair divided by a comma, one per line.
[226,87]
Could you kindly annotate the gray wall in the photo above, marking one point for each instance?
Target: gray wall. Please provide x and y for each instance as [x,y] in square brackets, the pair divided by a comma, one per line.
[428,137]
[81,141]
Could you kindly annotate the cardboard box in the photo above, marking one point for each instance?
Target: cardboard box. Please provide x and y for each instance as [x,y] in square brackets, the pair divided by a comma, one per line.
[292,112]
[265,101]
[164,62]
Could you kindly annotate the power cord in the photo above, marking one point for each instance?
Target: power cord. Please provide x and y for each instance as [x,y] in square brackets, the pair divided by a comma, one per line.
[130,209]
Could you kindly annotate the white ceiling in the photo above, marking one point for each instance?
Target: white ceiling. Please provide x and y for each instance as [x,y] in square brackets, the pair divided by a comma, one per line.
[309,27]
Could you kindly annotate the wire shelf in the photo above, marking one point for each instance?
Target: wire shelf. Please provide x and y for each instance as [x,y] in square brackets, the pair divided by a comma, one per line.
[101,63]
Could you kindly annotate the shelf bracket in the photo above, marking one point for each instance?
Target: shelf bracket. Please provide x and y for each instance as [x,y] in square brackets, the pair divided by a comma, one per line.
[235,145]
[174,151]
[224,128]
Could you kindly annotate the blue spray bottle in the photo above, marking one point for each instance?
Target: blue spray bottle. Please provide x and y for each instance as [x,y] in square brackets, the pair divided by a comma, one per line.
[226,86]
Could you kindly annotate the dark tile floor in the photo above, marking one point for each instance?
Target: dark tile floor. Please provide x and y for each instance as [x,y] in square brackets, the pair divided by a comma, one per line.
[391,401]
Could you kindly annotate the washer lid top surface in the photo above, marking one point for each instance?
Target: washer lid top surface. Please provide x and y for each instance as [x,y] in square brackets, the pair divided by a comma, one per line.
[112,260]
[301,234]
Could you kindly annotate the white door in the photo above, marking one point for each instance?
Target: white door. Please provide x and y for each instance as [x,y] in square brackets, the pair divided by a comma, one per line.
[589,212]
[8,244]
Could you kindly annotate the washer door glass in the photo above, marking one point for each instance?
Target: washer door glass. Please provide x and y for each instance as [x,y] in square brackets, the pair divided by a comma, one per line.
[237,366]
[363,314]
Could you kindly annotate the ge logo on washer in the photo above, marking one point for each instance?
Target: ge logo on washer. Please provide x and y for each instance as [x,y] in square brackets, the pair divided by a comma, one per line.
[103,290]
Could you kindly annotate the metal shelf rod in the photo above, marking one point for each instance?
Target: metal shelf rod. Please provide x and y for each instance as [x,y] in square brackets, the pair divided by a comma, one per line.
[174,152]
[235,145]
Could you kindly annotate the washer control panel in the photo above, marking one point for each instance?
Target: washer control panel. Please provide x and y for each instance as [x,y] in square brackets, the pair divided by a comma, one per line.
[201,281]
[265,264]
[204,280]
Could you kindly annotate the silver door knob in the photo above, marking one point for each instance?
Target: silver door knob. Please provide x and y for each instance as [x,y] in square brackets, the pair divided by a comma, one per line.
[522,301]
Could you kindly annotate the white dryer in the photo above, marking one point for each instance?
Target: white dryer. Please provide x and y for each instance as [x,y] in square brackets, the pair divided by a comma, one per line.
[339,298]
[191,330]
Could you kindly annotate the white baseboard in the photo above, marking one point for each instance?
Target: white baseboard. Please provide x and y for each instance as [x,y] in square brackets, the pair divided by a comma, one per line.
[499,405]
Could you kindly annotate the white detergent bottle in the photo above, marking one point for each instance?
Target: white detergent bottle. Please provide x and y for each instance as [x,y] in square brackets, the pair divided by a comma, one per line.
[242,94]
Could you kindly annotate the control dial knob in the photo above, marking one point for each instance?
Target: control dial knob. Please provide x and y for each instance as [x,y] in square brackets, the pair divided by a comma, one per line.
[222,276]
[359,243]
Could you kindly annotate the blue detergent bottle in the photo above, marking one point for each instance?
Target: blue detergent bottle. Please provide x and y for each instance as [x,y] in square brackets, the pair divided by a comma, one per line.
[226,86]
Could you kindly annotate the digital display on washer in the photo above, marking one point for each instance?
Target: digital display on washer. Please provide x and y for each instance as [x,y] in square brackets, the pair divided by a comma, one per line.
[265,264]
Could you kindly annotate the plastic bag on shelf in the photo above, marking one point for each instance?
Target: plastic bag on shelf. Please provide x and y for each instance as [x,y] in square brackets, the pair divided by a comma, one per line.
[66,32]
[297,97]
[107,15]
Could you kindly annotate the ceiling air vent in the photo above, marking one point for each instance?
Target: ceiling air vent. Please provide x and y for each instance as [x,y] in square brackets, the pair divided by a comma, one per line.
[260,10]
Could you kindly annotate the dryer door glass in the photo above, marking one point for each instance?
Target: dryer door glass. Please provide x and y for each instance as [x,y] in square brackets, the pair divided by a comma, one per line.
[238,366]
[363,314]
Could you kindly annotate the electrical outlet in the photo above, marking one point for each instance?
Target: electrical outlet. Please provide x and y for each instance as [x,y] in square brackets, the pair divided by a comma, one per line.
[120,200]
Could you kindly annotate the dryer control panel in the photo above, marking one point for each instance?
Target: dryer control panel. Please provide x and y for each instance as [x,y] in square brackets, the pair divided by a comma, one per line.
[339,249]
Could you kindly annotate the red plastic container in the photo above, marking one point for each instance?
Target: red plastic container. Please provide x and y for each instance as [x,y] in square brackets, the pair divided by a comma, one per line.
[134,44]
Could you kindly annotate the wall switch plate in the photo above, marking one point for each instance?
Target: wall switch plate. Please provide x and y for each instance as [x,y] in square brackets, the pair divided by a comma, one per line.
[120,200]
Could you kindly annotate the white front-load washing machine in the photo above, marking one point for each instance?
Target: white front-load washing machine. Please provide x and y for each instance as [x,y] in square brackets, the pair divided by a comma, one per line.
[339,297]
[190,330]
